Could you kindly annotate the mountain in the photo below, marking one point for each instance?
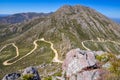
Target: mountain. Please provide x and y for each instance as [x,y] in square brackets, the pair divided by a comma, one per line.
[21,17]
[69,27]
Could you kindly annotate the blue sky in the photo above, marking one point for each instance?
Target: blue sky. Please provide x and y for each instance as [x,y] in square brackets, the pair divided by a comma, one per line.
[110,8]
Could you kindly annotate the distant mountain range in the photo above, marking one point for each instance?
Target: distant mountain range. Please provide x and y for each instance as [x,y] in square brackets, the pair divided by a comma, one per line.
[20,17]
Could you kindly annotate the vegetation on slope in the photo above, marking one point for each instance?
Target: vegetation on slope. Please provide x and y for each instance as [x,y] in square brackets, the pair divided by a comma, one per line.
[42,54]
[113,68]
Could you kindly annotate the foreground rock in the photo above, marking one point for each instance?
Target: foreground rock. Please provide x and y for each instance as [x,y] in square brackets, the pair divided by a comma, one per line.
[33,71]
[82,65]
[29,73]
[12,76]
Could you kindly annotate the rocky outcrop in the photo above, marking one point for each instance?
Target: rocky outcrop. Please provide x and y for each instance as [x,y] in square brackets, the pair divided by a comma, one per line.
[25,75]
[33,71]
[82,65]
[12,76]
[88,75]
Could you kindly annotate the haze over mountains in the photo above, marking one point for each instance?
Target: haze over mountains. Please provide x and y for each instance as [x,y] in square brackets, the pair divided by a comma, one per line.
[67,28]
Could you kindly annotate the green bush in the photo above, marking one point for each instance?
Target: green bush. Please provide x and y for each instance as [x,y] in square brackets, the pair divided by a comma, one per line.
[103,57]
[27,77]
[48,78]
[114,69]
[115,65]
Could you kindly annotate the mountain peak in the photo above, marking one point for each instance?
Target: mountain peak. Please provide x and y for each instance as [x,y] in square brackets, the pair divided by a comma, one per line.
[70,6]
[65,8]
[68,9]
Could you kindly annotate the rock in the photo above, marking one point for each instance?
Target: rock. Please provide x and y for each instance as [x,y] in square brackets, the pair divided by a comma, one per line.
[76,60]
[106,65]
[99,53]
[89,75]
[118,56]
[31,70]
[81,65]
[12,76]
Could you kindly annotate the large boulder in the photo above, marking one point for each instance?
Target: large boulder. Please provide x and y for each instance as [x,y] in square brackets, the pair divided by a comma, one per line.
[81,65]
[76,60]
[33,71]
[12,76]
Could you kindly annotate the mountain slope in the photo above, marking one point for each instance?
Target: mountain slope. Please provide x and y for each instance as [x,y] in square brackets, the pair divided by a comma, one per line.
[72,25]
[66,28]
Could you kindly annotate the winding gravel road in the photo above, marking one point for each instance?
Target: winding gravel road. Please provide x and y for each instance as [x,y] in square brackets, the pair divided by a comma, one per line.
[99,40]
[55,59]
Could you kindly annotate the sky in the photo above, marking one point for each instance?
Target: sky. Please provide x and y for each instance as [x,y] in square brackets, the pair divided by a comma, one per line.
[110,8]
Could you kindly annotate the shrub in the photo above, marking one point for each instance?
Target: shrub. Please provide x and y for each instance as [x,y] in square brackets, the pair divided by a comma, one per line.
[27,77]
[114,69]
[103,57]
[48,78]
